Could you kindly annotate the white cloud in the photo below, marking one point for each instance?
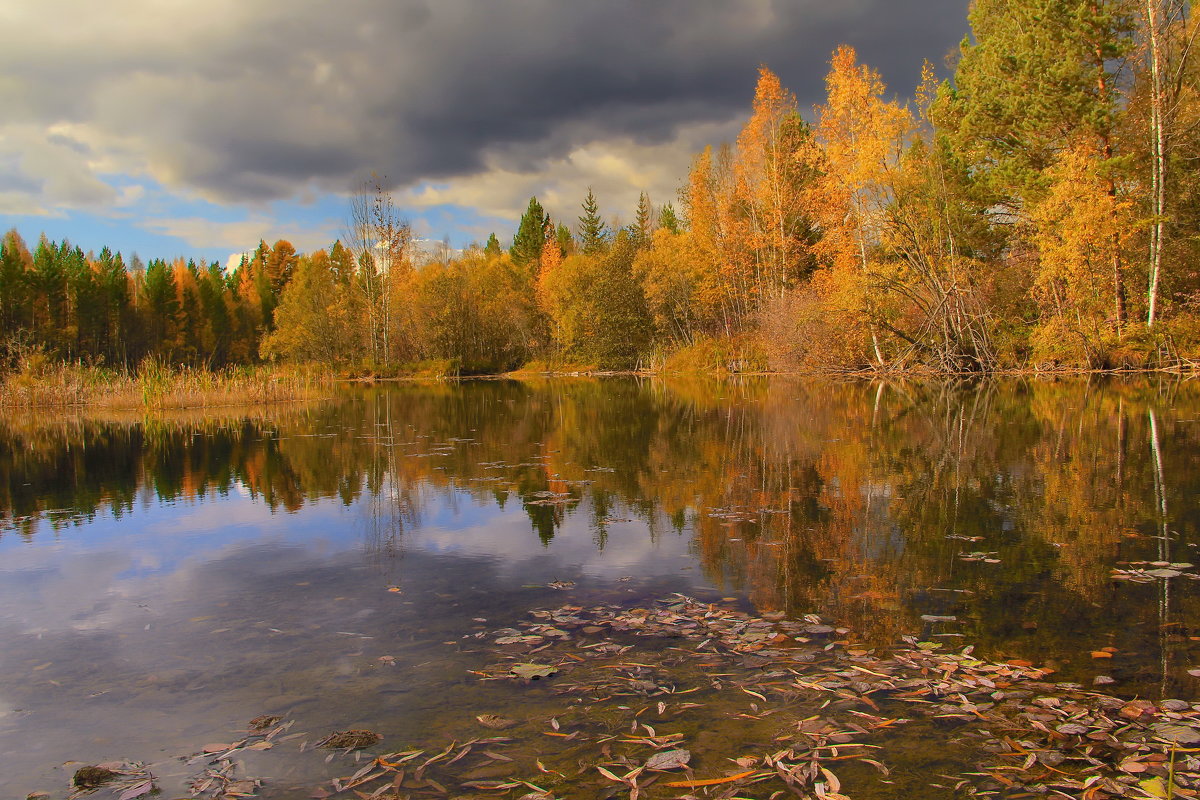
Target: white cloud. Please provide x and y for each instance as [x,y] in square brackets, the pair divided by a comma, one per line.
[241,235]
[616,170]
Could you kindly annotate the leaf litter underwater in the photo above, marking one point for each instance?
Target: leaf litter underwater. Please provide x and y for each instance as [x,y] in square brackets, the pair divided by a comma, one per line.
[688,699]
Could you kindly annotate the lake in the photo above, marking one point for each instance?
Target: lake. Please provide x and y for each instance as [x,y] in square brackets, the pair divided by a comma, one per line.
[351,564]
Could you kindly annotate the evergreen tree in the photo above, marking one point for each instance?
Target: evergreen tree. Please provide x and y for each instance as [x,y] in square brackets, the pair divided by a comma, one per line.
[643,225]
[341,262]
[1034,75]
[1038,78]
[14,298]
[161,306]
[566,242]
[527,244]
[214,305]
[593,232]
[50,294]
[667,219]
[492,248]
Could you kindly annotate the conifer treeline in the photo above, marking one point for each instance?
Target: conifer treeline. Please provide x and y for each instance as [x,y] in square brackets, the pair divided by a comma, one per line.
[100,309]
[1039,207]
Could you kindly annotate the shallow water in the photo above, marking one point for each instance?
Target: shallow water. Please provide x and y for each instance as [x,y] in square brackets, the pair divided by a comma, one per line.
[163,580]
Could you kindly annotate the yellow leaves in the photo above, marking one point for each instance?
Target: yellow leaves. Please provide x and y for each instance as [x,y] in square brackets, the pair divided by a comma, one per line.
[858,141]
[1080,229]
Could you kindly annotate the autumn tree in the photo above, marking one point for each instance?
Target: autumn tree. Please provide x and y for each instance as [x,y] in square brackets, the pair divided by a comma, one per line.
[381,241]
[15,301]
[669,275]
[1164,116]
[1077,225]
[1035,77]
[769,189]
[937,252]
[856,147]
[598,309]
[317,318]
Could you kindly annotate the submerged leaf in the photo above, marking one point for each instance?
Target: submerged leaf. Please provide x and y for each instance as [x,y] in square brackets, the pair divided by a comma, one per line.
[495,722]
[352,740]
[531,672]
[670,759]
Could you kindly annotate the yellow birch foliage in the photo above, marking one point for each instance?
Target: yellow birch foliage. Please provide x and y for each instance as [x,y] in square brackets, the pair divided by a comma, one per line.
[548,264]
[858,141]
[1079,227]
[767,189]
[725,272]
[669,274]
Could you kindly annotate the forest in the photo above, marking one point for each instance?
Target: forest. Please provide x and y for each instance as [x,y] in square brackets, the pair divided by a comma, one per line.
[1035,205]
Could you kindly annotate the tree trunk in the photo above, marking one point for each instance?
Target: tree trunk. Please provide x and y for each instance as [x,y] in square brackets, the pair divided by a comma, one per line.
[1158,163]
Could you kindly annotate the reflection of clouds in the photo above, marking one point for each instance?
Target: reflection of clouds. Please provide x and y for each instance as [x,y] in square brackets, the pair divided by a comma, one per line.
[249,626]
[507,539]
[45,590]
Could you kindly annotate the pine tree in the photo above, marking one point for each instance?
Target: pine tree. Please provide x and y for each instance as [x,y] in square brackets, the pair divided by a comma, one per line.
[341,262]
[1034,75]
[593,232]
[527,244]
[492,248]
[1038,77]
[161,307]
[668,220]
[50,293]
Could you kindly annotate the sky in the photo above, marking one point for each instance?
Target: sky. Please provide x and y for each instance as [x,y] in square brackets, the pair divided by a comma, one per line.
[196,128]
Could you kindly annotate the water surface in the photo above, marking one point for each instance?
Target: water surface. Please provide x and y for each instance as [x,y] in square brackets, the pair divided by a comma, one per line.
[162,580]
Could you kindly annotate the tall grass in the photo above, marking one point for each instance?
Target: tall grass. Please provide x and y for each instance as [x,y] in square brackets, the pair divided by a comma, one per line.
[39,382]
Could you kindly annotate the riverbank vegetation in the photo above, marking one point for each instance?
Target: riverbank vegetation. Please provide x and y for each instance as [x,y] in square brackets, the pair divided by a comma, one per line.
[38,382]
[1035,207]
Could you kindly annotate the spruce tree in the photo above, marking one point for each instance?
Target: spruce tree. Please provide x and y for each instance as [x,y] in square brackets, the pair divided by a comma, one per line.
[593,232]
[527,244]
[642,225]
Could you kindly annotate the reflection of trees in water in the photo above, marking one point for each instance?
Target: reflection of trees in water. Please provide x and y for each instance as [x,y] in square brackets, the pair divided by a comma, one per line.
[390,506]
[851,498]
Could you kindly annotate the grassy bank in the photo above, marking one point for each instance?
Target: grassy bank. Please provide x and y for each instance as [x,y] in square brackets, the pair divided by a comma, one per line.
[40,383]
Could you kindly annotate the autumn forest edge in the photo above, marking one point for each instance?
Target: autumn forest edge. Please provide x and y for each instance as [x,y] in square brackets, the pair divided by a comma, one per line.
[1035,206]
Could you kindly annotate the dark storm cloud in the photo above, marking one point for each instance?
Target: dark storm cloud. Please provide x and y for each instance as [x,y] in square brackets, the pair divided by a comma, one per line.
[249,100]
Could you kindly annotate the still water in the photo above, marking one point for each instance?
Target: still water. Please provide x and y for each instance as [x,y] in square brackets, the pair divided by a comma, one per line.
[165,579]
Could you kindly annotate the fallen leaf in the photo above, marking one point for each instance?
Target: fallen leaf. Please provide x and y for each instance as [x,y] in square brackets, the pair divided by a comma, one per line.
[709,782]
[1154,787]
[495,722]
[531,672]
[669,759]
[145,787]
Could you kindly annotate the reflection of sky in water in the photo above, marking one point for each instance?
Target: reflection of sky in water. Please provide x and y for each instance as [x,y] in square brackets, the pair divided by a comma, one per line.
[147,633]
[129,611]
